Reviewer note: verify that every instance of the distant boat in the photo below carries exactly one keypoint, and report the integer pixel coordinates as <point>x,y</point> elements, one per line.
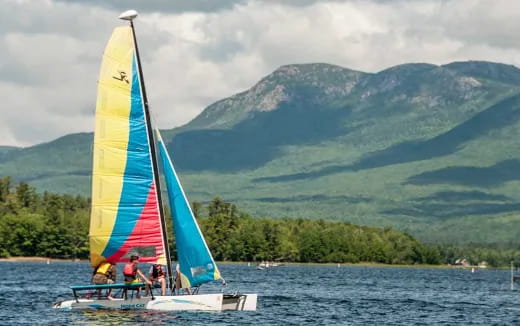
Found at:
<point>127,215</point>
<point>266,264</point>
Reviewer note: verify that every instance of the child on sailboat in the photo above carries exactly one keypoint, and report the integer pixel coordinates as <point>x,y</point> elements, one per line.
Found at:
<point>104,273</point>
<point>158,277</point>
<point>131,271</point>
<point>178,284</point>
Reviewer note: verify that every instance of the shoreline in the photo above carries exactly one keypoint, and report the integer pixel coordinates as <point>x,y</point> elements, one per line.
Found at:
<point>253,264</point>
<point>41,259</point>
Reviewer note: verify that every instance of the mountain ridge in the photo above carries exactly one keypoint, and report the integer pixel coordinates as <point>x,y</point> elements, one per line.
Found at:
<point>317,140</point>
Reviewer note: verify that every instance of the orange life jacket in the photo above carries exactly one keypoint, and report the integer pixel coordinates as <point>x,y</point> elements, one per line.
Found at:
<point>130,270</point>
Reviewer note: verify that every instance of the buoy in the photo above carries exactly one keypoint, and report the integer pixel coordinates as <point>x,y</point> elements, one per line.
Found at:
<point>473,269</point>
<point>48,261</point>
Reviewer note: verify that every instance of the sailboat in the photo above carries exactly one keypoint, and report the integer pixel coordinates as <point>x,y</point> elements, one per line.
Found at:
<point>127,215</point>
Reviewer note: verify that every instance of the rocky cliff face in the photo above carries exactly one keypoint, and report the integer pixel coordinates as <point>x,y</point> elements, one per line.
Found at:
<point>330,83</point>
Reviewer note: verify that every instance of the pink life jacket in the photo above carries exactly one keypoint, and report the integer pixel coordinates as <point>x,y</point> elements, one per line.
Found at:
<point>130,270</point>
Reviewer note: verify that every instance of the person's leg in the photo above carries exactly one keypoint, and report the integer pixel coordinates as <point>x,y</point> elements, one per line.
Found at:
<point>99,279</point>
<point>178,284</point>
<point>109,292</point>
<point>137,280</point>
<point>163,286</point>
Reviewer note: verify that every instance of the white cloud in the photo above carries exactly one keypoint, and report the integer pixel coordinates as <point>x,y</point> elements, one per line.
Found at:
<point>50,51</point>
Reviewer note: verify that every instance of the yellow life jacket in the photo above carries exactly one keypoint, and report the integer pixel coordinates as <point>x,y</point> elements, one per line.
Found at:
<point>103,268</point>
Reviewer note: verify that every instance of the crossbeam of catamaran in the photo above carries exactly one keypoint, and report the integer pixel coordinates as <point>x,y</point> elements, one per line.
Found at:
<point>127,216</point>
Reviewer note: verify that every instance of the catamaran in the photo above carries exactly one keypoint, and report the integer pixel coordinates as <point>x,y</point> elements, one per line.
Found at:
<point>127,215</point>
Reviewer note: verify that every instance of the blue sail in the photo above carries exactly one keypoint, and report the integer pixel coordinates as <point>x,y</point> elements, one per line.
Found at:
<point>196,263</point>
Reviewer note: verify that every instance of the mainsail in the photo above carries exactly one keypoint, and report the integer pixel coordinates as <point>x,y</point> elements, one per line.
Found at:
<point>125,217</point>
<point>126,212</point>
<point>196,263</point>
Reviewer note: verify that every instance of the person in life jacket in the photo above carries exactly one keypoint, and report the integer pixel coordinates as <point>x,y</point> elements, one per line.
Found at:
<point>131,271</point>
<point>104,273</point>
<point>157,275</point>
<point>178,283</point>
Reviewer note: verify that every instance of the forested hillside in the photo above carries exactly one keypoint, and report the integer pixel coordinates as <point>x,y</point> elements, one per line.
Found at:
<point>430,150</point>
<point>52,225</point>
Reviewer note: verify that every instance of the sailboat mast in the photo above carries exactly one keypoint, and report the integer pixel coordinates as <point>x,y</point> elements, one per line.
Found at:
<point>154,161</point>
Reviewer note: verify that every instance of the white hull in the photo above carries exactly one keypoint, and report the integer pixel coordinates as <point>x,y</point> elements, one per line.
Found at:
<point>201,302</point>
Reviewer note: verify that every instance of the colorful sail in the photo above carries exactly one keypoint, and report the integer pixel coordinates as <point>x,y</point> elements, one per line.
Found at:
<point>125,216</point>
<point>196,263</point>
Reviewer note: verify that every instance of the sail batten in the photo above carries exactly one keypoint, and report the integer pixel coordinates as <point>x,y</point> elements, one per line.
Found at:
<point>196,262</point>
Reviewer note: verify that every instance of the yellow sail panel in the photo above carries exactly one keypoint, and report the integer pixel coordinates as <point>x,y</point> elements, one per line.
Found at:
<point>110,138</point>
<point>125,216</point>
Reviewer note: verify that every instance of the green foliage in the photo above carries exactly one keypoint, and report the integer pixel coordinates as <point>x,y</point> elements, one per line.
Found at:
<point>54,225</point>
<point>48,225</point>
<point>26,195</point>
<point>5,184</point>
<point>239,237</point>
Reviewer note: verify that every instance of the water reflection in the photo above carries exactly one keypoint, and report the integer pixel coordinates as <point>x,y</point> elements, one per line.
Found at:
<point>118,317</point>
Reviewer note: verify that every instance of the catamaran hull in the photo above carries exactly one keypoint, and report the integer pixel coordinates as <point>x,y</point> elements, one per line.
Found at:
<point>239,302</point>
<point>200,302</point>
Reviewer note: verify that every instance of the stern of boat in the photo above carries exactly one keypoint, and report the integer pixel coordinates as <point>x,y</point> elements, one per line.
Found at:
<point>245,302</point>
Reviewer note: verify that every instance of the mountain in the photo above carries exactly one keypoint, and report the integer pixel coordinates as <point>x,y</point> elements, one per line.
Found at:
<point>6,149</point>
<point>63,165</point>
<point>432,150</point>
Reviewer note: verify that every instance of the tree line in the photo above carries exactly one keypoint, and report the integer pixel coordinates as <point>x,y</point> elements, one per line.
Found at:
<point>48,225</point>
<point>56,225</point>
<point>236,236</point>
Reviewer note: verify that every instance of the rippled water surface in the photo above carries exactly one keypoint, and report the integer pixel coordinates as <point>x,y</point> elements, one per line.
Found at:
<point>288,295</point>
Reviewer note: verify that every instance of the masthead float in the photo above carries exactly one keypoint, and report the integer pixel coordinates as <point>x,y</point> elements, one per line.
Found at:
<point>128,15</point>
<point>127,215</point>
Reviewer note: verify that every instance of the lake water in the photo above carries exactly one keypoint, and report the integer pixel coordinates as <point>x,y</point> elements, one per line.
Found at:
<point>288,295</point>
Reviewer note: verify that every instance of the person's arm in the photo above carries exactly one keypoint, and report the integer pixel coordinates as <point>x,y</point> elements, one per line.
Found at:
<point>144,277</point>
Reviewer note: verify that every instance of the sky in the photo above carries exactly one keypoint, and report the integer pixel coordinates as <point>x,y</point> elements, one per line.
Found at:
<point>196,52</point>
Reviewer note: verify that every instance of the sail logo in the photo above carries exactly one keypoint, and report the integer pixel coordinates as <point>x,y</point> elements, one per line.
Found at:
<point>200,270</point>
<point>122,76</point>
